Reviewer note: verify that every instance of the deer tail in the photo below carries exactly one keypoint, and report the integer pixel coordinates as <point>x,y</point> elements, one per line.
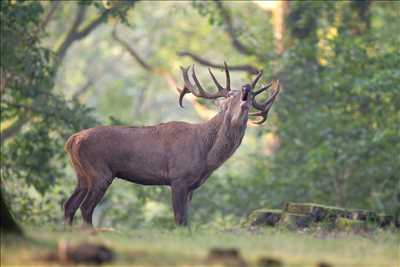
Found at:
<point>72,147</point>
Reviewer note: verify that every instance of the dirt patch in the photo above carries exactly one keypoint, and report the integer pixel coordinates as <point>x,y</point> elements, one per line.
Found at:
<point>226,257</point>
<point>84,253</point>
<point>323,264</point>
<point>269,262</point>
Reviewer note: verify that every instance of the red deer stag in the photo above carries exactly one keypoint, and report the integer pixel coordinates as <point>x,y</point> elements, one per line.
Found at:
<point>177,154</point>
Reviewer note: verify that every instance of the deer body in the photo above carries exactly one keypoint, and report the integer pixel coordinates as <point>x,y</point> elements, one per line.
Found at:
<point>176,154</point>
<point>160,154</point>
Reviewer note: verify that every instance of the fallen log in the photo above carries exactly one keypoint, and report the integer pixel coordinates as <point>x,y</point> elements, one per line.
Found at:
<point>264,217</point>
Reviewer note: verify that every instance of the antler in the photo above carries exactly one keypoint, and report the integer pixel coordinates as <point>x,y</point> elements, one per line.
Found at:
<point>265,106</point>
<point>198,90</point>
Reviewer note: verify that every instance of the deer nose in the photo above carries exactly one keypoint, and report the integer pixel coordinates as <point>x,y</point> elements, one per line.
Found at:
<point>246,88</point>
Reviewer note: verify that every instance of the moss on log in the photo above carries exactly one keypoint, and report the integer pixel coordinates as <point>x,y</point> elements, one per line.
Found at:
<point>299,208</point>
<point>317,212</point>
<point>364,215</point>
<point>295,220</point>
<point>350,224</point>
<point>264,217</point>
<point>300,215</point>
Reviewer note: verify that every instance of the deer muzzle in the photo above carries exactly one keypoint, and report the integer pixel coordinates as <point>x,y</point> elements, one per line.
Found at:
<point>246,89</point>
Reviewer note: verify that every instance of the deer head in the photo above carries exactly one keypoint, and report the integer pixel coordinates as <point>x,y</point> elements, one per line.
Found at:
<point>233,101</point>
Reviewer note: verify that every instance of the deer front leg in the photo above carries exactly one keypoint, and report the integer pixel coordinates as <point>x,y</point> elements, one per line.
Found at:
<point>180,195</point>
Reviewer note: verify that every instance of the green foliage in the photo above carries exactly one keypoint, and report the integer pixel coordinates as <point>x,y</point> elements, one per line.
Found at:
<point>35,208</point>
<point>207,9</point>
<point>117,9</point>
<point>338,114</point>
<point>34,154</point>
<point>336,118</point>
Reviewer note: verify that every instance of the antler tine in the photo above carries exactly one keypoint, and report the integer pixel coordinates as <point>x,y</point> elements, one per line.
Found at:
<point>197,89</point>
<point>185,74</point>
<point>266,106</point>
<point>186,88</point>
<point>202,92</point>
<point>262,89</point>
<point>182,93</point>
<point>253,84</point>
<point>263,106</point>
<point>220,87</point>
<point>264,116</point>
<point>228,78</point>
<point>264,113</point>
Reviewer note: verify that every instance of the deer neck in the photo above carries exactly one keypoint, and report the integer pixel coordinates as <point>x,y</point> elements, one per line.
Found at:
<point>223,139</point>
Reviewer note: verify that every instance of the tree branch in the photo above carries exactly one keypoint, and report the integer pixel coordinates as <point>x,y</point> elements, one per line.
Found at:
<point>246,68</point>
<point>71,35</point>
<point>75,34</point>
<point>14,128</point>
<point>92,25</point>
<point>226,16</point>
<point>82,89</point>
<point>201,110</point>
<point>49,16</point>
<point>131,51</point>
<point>61,51</point>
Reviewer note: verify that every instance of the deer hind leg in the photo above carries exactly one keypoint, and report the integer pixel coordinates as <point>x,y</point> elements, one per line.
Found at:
<point>95,194</point>
<point>75,200</point>
<point>180,201</point>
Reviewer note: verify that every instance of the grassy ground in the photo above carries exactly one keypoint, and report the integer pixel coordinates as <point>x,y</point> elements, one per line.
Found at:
<point>180,247</point>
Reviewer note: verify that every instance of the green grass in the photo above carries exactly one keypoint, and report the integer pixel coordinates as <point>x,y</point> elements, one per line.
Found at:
<point>181,247</point>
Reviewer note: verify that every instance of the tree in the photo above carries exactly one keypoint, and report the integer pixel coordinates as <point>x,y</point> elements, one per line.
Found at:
<point>335,137</point>
<point>35,119</point>
<point>8,223</point>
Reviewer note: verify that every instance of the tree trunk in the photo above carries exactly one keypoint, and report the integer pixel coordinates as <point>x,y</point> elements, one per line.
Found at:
<point>279,15</point>
<point>8,224</point>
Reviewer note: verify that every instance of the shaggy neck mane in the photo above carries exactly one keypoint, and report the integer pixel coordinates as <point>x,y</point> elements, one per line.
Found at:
<point>222,138</point>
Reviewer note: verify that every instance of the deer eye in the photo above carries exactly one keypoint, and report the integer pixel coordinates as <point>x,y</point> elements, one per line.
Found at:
<point>231,94</point>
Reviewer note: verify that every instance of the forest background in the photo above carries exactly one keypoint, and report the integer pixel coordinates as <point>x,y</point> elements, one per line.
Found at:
<point>333,136</point>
